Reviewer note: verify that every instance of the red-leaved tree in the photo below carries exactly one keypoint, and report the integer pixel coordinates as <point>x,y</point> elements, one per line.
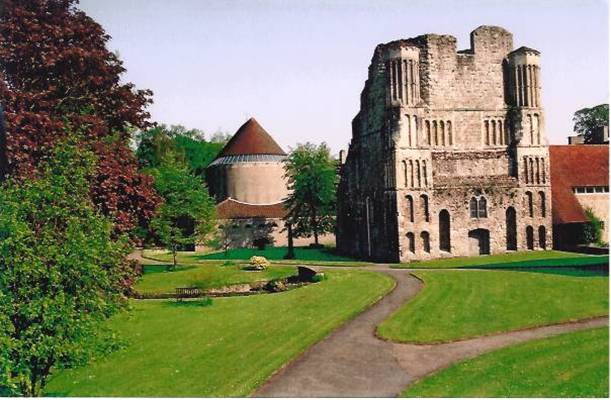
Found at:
<point>56,72</point>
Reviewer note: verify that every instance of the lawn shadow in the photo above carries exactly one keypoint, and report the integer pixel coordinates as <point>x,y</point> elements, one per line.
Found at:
<point>565,271</point>
<point>163,268</point>
<point>189,303</point>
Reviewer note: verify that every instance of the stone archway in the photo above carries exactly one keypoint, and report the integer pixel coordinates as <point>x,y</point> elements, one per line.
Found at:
<point>479,241</point>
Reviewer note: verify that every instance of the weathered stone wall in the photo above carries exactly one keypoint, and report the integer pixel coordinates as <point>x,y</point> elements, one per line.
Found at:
<point>246,232</point>
<point>436,129</point>
<point>249,182</point>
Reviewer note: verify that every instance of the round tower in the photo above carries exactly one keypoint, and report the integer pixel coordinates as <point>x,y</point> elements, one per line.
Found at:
<point>250,168</point>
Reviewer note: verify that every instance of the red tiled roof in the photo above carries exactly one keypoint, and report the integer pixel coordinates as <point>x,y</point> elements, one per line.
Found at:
<point>233,209</point>
<point>251,138</point>
<point>575,165</point>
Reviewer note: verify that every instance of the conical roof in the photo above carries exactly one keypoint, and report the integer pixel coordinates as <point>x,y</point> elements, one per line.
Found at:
<point>251,138</point>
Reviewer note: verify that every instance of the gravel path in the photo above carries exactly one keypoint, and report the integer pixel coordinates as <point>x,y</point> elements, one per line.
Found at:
<point>353,362</point>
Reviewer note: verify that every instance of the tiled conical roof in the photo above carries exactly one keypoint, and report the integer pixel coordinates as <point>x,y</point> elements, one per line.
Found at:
<point>251,138</point>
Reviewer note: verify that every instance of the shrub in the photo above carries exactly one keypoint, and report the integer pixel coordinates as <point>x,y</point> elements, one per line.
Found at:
<point>259,263</point>
<point>319,277</point>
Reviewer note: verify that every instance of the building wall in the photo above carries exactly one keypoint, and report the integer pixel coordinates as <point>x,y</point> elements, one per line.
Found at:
<point>249,182</point>
<point>443,127</point>
<point>599,204</point>
<point>244,232</point>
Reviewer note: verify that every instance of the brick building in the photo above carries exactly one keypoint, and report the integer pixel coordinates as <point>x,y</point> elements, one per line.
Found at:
<point>448,155</point>
<point>580,182</point>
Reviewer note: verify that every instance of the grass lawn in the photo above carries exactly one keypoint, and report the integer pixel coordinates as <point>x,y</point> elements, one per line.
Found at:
<point>226,349</point>
<point>323,256</point>
<point>549,258</point>
<point>462,304</point>
<point>157,279</point>
<point>570,365</point>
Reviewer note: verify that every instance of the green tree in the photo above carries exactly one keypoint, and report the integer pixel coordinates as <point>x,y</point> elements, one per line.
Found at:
<point>188,212</point>
<point>312,177</point>
<point>587,119</point>
<point>593,229</point>
<point>189,145</point>
<point>61,273</point>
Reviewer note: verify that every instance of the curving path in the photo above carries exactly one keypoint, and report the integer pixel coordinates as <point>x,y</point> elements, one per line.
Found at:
<point>353,362</point>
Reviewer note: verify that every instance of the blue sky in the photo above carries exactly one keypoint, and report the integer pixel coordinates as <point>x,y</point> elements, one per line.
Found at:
<point>298,67</point>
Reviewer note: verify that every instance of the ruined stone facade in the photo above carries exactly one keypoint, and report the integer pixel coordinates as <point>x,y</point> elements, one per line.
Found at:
<point>448,155</point>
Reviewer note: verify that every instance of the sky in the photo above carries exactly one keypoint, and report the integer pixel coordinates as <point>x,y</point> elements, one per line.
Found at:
<point>299,66</point>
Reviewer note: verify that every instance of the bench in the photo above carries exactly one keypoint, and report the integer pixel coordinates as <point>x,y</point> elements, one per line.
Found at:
<point>187,292</point>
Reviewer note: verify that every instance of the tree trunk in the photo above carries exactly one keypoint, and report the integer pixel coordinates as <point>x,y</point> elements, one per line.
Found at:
<point>174,256</point>
<point>3,155</point>
<point>290,255</point>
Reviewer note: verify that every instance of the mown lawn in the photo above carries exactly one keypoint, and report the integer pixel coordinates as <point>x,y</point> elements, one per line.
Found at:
<point>226,349</point>
<point>462,304</point>
<point>157,278</point>
<point>569,365</point>
<point>549,258</point>
<point>322,256</point>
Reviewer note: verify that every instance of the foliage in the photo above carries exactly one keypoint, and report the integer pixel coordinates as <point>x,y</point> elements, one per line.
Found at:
<point>61,272</point>
<point>319,277</point>
<point>587,119</point>
<point>312,181</point>
<point>254,336</point>
<point>456,305</point>
<point>187,215</point>
<point>593,229</point>
<point>569,365</point>
<point>71,78</point>
<point>188,145</point>
<point>258,263</point>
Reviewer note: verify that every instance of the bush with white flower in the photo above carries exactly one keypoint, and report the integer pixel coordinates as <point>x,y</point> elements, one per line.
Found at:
<point>259,263</point>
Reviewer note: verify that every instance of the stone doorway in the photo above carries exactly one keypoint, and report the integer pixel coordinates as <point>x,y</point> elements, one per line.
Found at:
<point>479,242</point>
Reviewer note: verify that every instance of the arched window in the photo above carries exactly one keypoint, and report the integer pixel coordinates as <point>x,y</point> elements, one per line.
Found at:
<point>426,242</point>
<point>538,173</point>
<point>414,131</point>
<point>418,174</point>
<point>511,229</point>
<point>530,240</point>
<point>424,204</point>
<point>444,231</point>
<point>409,130</point>
<point>449,128</point>
<point>442,130</point>
<point>487,133</point>
<point>478,208</point>
<point>542,203</point>
<point>411,173</point>
<point>436,133</point>
<point>493,133</point>
<point>473,207</point>
<point>411,245</point>
<point>532,170</point>
<point>427,127</point>
<point>483,208</point>
<point>500,129</point>
<point>542,239</point>
<point>426,180</point>
<point>410,208</point>
<point>529,204</point>
<point>406,182</point>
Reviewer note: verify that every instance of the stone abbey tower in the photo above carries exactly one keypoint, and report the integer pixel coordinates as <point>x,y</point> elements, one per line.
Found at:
<point>448,155</point>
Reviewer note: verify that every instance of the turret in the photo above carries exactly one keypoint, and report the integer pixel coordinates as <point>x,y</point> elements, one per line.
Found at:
<point>402,66</point>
